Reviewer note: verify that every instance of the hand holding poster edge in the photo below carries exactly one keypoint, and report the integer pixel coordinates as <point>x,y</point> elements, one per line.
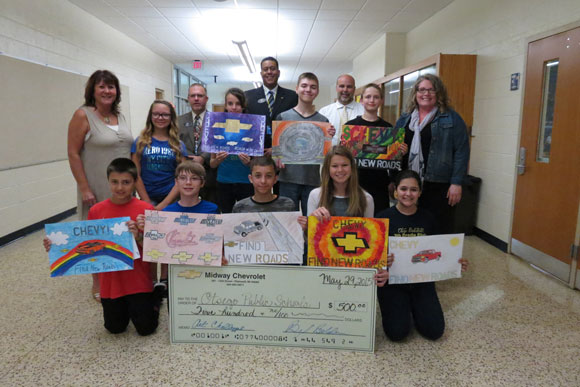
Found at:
<point>348,242</point>
<point>426,258</point>
<point>90,246</point>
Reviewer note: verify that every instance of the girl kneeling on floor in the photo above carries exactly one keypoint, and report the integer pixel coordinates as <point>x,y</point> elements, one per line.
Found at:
<point>400,302</point>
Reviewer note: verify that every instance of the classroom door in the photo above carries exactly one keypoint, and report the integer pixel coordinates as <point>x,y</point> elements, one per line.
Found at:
<point>546,212</point>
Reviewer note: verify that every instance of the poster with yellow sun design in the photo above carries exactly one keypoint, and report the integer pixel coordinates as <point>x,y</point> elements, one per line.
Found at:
<point>425,258</point>
<point>348,242</point>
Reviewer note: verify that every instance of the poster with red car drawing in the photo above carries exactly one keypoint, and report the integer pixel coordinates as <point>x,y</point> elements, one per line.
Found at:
<point>425,258</point>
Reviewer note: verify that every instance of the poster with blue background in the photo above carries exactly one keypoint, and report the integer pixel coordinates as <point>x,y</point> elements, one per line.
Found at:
<point>234,133</point>
<point>90,246</point>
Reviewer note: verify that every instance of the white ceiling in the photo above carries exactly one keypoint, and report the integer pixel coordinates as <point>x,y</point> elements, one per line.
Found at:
<point>322,36</point>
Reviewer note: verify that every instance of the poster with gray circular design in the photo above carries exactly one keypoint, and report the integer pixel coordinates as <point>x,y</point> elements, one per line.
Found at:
<point>301,142</point>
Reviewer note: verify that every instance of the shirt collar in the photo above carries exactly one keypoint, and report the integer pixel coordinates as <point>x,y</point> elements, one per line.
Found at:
<point>266,90</point>
<point>201,116</point>
<point>348,106</point>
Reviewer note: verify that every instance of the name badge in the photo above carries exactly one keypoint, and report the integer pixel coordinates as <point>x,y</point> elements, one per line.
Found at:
<point>262,100</point>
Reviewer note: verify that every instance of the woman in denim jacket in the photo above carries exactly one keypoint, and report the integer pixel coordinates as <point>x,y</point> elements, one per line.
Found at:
<point>438,147</point>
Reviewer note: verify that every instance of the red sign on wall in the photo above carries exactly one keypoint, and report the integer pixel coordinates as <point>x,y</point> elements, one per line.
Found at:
<point>197,64</point>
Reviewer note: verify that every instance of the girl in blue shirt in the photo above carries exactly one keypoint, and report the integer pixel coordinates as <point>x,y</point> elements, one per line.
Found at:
<point>157,152</point>
<point>233,170</point>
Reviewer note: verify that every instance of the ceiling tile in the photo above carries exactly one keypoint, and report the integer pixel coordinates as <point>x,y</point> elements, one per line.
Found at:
<point>139,11</point>
<point>172,3</point>
<point>180,12</point>
<point>343,4</point>
<point>96,8</point>
<point>299,4</point>
<point>297,14</point>
<point>331,14</point>
<point>128,3</point>
<point>148,22</point>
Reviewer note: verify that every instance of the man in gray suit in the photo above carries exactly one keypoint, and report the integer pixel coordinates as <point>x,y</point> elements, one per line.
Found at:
<point>190,132</point>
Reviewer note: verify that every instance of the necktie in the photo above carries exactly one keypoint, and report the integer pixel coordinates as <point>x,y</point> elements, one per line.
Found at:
<point>196,135</point>
<point>270,101</point>
<point>343,117</point>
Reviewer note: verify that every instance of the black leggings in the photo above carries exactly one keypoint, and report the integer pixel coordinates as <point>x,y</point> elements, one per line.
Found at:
<point>399,302</point>
<point>141,308</point>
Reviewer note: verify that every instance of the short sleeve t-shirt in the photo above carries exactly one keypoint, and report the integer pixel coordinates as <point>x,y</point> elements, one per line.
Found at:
<point>279,204</point>
<point>122,283</point>
<point>300,174</point>
<point>420,223</point>
<point>158,164</point>
<point>232,171</point>
<point>203,207</point>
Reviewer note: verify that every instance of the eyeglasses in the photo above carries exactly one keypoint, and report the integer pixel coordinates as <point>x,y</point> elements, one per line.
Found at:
<point>425,91</point>
<point>188,178</point>
<point>161,115</point>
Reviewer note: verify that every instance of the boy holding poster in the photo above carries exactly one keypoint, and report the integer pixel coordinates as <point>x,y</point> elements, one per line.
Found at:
<point>263,175</point>
<point>125,295</point>
<point>189,179</point>
<point>296,181</point>
<point>401,301</point>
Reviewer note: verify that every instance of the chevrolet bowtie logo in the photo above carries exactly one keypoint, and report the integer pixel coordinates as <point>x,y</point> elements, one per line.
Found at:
<point>350,242</point>
<point>232,126</point>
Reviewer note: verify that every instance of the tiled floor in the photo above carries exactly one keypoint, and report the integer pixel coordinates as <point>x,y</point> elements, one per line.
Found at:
<point>507,325</point>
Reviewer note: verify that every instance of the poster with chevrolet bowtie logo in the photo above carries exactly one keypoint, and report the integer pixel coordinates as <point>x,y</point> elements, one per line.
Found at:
<point>348,242</point>
<point>182,238</point>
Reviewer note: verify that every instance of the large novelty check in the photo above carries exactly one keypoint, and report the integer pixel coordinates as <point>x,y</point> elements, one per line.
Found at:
<point>317,307</point>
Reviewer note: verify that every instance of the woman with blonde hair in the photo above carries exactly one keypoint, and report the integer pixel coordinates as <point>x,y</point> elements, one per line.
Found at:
<point>157,152</point>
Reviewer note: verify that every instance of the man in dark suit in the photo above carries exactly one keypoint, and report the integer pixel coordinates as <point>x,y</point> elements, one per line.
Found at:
<point>190,131</point>
<point>270,99</point>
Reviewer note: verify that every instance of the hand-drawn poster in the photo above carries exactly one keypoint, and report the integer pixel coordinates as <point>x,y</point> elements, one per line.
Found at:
<point>425,258</point>
<point>182,238</point>
<point>265,237</point>
<point>234,133</point>
<point>90,246</point>
<point>374,147</point>
<point>300,142</point>
<point>348,242</point>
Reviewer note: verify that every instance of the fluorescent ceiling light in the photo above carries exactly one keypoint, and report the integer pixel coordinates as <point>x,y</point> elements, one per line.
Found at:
<point>552,63</point>
<point>245,55</point>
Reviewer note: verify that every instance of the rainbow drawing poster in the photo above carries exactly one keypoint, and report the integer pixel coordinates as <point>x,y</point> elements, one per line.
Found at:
<point>90,246</point>
<point>183,238</point>
<point>348,242</point>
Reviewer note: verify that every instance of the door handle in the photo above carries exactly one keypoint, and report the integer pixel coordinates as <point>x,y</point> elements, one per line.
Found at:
<point>521,167</point>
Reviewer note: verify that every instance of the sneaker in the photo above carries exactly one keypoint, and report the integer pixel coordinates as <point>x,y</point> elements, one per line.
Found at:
<point>161,288</point>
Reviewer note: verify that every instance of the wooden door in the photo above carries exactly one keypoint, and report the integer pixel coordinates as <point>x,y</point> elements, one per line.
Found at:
<point>548,182</point>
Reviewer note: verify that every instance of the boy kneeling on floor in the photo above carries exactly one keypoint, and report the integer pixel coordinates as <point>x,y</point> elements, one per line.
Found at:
<point>125,295</point>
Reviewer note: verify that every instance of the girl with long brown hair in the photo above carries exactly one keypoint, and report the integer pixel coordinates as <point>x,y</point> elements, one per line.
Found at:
<point>339,193</point>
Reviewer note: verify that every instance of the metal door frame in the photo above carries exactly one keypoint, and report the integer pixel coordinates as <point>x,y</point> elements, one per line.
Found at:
<point>574,279</point>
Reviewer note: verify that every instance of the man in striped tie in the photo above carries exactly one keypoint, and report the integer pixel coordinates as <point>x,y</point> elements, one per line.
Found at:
<point>270,99</point>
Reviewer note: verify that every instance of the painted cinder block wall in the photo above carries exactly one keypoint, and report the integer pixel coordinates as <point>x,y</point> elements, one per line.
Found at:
<point>58,33</point>
<point>496,31</point>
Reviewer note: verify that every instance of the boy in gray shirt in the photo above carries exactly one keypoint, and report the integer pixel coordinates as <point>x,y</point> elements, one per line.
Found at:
<point>263,176</point>
<point>296,181</point>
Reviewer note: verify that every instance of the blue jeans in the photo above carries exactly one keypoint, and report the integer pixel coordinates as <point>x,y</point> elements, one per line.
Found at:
<point>298,193</point>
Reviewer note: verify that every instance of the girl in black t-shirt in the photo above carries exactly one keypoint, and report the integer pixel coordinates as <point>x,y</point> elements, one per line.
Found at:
<point>419,300</point>
<point>374,181</point>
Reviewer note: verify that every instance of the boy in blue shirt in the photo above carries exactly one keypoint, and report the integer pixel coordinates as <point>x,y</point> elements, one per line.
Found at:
<point>189,178</point>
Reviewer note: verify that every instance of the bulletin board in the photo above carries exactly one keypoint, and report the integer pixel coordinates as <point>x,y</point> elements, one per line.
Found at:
<point>36,105</point>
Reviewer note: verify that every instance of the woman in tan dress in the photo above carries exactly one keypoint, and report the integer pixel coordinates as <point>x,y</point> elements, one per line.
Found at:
<point>97,134</point>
